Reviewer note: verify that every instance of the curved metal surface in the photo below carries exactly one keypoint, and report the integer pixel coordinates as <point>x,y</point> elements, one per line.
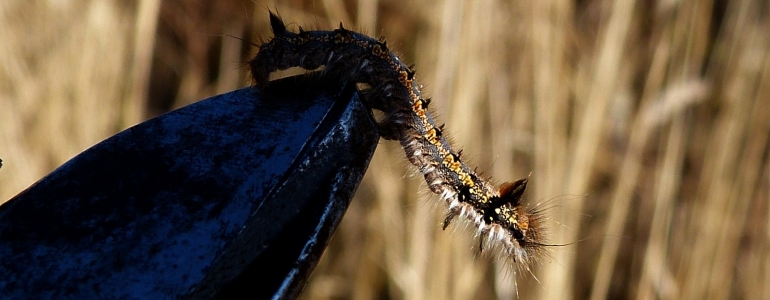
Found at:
<point>236,193</point>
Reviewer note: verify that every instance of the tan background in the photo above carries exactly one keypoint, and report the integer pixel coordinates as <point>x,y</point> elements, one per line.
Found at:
<point>645,126</point>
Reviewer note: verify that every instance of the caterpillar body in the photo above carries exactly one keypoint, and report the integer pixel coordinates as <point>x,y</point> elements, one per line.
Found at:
<point>497,213</point>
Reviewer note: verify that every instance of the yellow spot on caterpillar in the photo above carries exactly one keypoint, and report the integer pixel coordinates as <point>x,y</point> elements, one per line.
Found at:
<point>362,44</point>
<point>419,111</point>
<point>453,165</point>
<point>431,136</point>
<point>340,38</point>
<point>377,50</point>
<point>403,77</point>
<point>467,181</point>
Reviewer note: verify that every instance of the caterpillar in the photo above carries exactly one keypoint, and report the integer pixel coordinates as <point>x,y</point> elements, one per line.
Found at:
<point>497,213</point>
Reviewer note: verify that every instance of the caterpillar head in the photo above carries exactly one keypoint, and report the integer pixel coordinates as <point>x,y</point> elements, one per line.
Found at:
<point>522,224</point>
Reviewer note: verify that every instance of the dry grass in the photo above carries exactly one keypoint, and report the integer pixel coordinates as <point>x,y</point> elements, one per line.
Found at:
<point>645,123</point>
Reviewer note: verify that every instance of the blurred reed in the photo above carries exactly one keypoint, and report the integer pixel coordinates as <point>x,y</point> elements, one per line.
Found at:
<point>645,125</point>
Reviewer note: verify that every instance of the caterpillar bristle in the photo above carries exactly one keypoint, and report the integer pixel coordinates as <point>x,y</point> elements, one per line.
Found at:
<point>277,24</point>
<point>410,74</point>
<point>511,192</point>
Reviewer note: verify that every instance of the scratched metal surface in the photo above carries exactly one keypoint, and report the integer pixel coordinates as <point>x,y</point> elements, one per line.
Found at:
<point>236,193</point>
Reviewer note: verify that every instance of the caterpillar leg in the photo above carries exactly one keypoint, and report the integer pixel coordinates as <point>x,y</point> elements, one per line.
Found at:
<point>481,244</point>
<point>388,132</point>
<point>451,215</point>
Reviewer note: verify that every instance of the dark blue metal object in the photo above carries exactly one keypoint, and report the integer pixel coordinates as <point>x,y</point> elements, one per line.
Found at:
<point>231,196</point>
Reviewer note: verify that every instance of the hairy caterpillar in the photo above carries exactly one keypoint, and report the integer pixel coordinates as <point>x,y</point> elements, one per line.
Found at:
<point>497,213</point>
